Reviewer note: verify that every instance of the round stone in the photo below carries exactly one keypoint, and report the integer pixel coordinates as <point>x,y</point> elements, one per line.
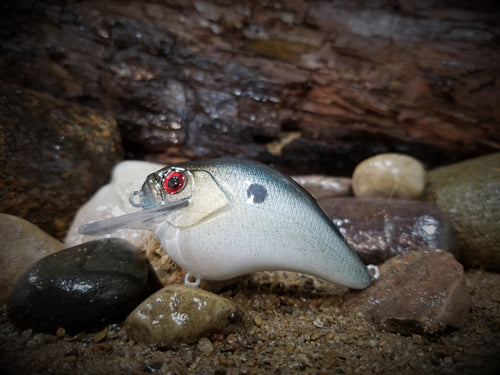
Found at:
<point>389,176</point>
<point>23,244</point>
<point>469,193</point>
<point>83,287</point>
<point>179,313</point>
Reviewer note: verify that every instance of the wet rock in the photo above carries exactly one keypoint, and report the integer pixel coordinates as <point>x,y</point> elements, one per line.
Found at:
<point>205,345</point>
<point>22,245</point>
<point>389,176</point>
<point>82,287</point>
<point>379,229</point>
<point>320,186</point>
<point>113,200</point>
<point>421,292</point>
<point>469,193</point>
<point>179,313</point>
<point>54,155</point>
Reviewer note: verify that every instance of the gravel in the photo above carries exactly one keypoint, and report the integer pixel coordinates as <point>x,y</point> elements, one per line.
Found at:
<point>287,327</point>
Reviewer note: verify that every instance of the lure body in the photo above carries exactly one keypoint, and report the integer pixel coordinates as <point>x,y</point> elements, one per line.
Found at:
<point>242,217</point>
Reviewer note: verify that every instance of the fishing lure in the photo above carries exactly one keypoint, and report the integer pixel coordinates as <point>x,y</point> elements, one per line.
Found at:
<point>226,217</point>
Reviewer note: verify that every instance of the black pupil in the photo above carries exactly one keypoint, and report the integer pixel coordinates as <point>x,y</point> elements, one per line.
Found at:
<point>174,182</point>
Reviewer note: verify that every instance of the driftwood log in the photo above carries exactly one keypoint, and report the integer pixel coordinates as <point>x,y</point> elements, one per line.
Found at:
<point>312,86</point>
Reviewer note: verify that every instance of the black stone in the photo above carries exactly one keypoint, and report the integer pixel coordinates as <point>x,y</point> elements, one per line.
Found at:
<point>82,288</point>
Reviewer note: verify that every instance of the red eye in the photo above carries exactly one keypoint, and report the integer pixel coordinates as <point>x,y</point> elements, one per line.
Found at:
<point>174,182</point>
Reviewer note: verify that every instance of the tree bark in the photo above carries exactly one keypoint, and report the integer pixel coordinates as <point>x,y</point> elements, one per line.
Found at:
<point>307,86</point>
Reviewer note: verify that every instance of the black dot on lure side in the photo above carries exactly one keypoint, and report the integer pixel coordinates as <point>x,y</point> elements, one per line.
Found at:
<point>257,192</point>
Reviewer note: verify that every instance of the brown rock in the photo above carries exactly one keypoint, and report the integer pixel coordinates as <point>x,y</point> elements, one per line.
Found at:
<point>23,244</point>
<point>421,292</point>
<point>378,229</point>
<point>53,156</point>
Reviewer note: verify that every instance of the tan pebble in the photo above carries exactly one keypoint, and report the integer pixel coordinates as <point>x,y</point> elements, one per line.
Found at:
<point>318,323</point>
<point>417,338</point>
<point>79,336</point>
<point>304,359</point>
<point>61,332</point>
<point>101,335</point>
<point>205,345</point>
<point>480,329</point>
<point>222,361</point>
<point>275,284</point>
<point>104,347</point>
<point>258,321</point>
<point>26,334</point>
<point>127,364</point>
<point>178,313</point>
<point>331,359</point>
<point>289,347</point>
<point>389,175</point>
<point>231,338</point>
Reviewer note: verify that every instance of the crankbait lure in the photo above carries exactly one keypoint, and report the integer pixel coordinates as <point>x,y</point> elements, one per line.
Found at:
<point>226,217</point>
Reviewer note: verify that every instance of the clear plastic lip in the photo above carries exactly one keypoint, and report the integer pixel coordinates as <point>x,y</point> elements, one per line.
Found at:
<point>130,221</point>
